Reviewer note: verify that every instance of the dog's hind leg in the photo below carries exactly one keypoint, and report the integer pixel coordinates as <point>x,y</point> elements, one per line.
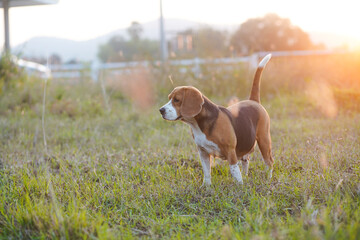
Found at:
<point>263,139</point>
<point>265,149</point>
<point>245,163</point>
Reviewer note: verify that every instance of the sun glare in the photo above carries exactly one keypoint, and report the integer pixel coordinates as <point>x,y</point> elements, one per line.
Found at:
<point>82,20</point>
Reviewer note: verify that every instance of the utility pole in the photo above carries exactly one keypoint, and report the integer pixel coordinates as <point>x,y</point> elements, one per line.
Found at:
<point>163,45</point>
<point>6,4</point>
<point>6,22</point>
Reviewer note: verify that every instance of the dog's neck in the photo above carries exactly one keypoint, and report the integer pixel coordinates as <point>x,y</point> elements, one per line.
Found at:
<point>208,110</point>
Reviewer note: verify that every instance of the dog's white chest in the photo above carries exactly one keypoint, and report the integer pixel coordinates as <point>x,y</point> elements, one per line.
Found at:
<point>202,142</point>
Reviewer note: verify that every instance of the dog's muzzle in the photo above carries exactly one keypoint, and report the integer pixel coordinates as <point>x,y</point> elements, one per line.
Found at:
<point>162,112</point>
<point>168,112</point>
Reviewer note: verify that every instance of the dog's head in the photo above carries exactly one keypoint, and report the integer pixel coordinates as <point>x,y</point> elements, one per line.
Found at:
<point>185,102</point>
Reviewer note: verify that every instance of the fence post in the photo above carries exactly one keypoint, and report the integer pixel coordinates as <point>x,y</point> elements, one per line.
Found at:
<point>106,100</point>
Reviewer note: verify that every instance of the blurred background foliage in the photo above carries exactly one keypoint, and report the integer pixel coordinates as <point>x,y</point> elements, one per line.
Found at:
<point>268,33</point>
<point>10,75</point>
<point>321,80</point>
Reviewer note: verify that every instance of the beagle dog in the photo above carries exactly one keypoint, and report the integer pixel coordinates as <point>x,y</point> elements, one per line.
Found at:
<point>228,133</point>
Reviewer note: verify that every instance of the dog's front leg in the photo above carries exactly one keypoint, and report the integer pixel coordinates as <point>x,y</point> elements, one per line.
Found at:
<point>234,168</point>
<point>205,162</point>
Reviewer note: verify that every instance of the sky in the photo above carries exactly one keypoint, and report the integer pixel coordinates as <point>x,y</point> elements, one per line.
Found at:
<point>85,19</point>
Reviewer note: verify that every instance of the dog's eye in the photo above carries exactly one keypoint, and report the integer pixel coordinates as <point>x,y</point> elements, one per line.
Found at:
<point>176,100</point>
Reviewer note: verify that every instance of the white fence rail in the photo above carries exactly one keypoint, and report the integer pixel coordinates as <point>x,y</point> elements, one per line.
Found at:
<point>75,71</point>
<point>33,68</point>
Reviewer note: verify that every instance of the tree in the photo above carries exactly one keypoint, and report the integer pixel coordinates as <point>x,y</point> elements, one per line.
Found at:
<point>210,43</point>
<point>269,33</point>
<point>135,31</point>
<point>113,50</point>
<point>117,49</point>
<point>204,43</point>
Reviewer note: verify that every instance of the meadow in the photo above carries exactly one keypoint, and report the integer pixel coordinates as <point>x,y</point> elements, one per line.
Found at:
<point>112,168</point>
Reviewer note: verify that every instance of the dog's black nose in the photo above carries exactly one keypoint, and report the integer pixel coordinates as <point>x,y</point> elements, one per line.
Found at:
<point>162,111</point>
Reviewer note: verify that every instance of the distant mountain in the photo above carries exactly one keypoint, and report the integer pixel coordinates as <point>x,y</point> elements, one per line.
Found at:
<point>87,50</point>
<point>66,49</point>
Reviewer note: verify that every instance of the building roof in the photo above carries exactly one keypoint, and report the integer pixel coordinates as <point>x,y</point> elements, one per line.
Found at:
<point>21,3</point>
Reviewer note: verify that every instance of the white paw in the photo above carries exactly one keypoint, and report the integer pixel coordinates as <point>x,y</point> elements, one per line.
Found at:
<point>235,172</point>
<point>270,173</point>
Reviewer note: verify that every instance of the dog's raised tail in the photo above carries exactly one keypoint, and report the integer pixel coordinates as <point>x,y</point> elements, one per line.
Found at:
<point>255,90</point>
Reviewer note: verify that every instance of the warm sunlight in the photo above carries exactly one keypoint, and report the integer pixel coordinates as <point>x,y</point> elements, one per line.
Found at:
<point>82,19</point>
<point>214,120</point>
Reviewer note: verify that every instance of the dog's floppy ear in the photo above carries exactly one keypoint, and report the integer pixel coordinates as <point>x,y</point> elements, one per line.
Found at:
<point>172,93</point>
<point>192,102</point>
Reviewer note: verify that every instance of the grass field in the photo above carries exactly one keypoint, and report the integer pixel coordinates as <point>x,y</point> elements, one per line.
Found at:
<point>129,174</point>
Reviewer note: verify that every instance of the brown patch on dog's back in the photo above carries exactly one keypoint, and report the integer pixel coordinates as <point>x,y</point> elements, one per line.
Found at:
<point>217,127</point>
<point>245,119</point>
<point>233,100</point>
